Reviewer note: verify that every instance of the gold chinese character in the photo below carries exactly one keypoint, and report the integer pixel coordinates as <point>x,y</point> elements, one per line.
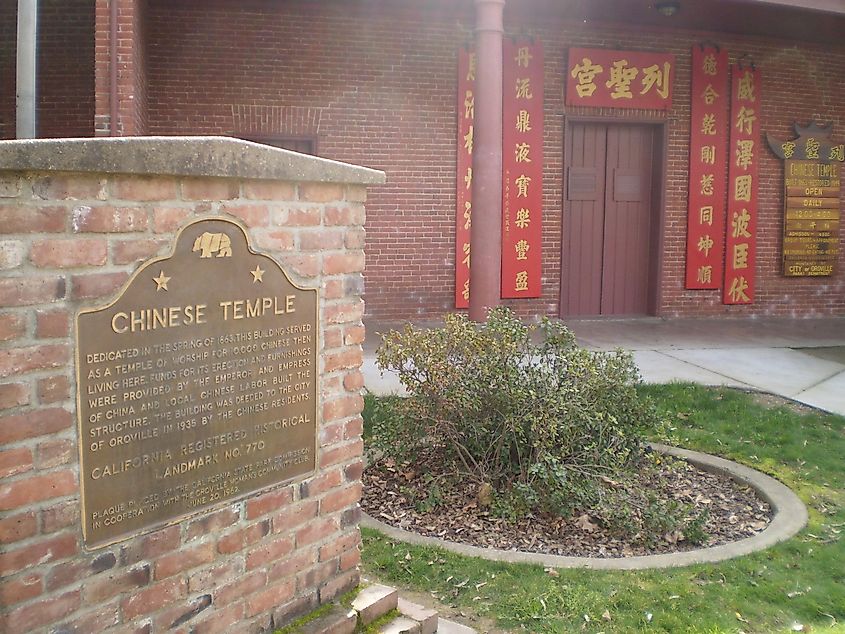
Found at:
<point>706,184</point>
<point>739,224</point>
<point>708,154</point>
<point>522,186</point>
<point>740,255</point>
<point>467,215</point>
<point>745,120</point>
<point>837,153</point>
<point>709,95</point>
<point>788,149</point>
<point>523,121</point>
<point>471,68</point>
<point>746,87</point>
<point>466,249</point>
<point>705,243</point>
<point>521,153</point>
<point>620,79</point>
<point>468,140</point>
<point>811,148</point>
<point>521,281</point>
<point>704,275</point>
<point>708,64</point>
<point>742,188</point>
<point>521,249</point>
<point>469,105</point>
<point>737,290</point>
<point>523,56</point>
<point>705,215</point>
<point>468,178</point>
<point>523,88</point>
<point>586,73</point>
<point>744,153</point>
<point>465,292</point>
<point>523,218</point>
<point>708,124</point>
<point>655,76</point>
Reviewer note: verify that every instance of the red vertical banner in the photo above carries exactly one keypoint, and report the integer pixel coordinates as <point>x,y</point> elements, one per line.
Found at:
<point>522,168</point>
<point>743,163</point>
<point>463,181</point>
<point>707,167</point>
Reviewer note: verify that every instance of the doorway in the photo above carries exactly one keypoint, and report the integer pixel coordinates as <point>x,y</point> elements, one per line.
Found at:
<point>609,259</point>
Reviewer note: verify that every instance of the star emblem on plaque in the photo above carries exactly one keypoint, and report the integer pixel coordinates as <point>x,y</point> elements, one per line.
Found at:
<point>194,394</point>
<point>161,281</point>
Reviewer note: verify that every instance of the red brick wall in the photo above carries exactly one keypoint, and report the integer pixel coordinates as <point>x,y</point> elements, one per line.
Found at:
<point>379,95</point>
<point>65,68</point>
<point>376,83</point>
<point>71,240</point>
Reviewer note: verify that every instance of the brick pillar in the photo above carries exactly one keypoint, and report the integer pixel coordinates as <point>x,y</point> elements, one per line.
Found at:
<point>130,89</point>
<point>485,272</point>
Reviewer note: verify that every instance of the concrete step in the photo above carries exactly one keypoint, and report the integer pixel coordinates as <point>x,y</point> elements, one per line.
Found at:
<point>450,627</point>
<point>401,625</point>
<point>374,601</point>
<point>338,620</point>
<point>425,617</point>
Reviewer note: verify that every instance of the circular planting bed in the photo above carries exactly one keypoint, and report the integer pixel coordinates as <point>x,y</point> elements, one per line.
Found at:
<point>741,510</point>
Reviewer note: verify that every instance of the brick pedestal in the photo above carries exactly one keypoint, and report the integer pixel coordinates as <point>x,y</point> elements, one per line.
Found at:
<point>76,219</point>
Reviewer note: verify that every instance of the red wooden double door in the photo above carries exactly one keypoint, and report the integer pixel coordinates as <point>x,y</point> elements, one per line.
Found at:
<point>610,222</point>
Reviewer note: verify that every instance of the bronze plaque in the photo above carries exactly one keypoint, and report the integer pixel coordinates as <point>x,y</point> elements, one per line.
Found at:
<point>812,185</point>
<point>197,385</point>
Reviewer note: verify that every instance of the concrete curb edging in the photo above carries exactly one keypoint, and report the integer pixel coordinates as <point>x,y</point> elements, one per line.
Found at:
<point>790,516</point>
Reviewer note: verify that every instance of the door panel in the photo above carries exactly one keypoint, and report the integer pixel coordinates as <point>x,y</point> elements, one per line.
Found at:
<point>625,277</point>
<point>607,256</point>
<point>582,241</point>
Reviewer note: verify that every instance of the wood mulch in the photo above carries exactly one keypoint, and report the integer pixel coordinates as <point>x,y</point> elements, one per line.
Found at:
<point>392,494</point>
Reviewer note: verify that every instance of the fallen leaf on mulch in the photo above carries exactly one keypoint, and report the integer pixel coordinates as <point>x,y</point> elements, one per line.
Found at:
<point>585,524</point>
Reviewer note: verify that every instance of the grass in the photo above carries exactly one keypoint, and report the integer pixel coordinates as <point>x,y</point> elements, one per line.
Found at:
<point>798,583</point>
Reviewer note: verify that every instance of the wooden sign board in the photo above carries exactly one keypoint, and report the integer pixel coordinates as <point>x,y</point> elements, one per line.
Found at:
<point>708,161</point>
<point>812,185</point>
<point>197,385</point>
<point>604,78</point>
<point>463,181</point>
<point>522,169</point>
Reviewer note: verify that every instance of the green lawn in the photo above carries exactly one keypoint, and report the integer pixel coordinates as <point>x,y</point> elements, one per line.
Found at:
<point>800,582</point>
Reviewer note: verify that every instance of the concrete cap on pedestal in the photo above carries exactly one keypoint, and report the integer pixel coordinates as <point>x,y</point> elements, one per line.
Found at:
<point>202,156</point>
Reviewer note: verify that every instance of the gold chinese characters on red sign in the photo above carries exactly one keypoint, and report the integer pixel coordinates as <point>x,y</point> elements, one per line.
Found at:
<point>603,78</point>
<point>463,182</point>
<point>743,163</point>
<point>707,167</point>
<point>522,169</point>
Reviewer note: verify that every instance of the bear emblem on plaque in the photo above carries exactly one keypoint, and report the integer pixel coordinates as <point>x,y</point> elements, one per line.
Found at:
<point>210,243</point>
